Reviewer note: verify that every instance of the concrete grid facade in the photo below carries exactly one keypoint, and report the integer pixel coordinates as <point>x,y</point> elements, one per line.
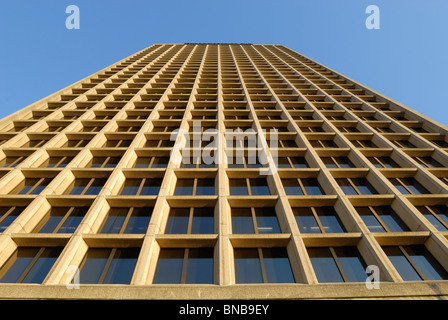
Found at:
<point>88,182</point>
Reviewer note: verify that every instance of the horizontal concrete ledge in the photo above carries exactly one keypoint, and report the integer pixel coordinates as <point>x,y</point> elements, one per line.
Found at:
<point>405,290</point>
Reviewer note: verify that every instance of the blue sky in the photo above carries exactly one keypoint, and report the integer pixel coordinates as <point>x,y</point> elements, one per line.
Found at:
<point>406,59</point>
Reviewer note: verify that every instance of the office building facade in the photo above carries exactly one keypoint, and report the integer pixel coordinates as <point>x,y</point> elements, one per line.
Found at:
<point>222,171</point>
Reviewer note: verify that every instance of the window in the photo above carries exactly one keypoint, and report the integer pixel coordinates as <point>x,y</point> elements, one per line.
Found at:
<point>311,129</point>
<point>29,265</point>
<point>437,215</point>
<point>338,162</point>
<point>104,162</point>
<point>12,161</point>
<point>440,143</point>
<point>152,162</point>
<point>384,129</point>
<point>248,139</point>
<point>132,220</point>
<point>355,186</point>
<point>159,143</point>
<point>363,143</point>
<point>8,215</point>
<point>323,144</point>
<point>58,162</point>
<point>428,162</point>
<point>142,187</point>
<point>415,263</point>
<point>195,187</point>
<point>408,186</point>
<point>381,219</point>
<point>403,144</point>
<point>92,127</point>
<point>383,162</point>
<point>34,143</point>
<point>118,143</point>
<point>184,266</point>
<point>87,186</point>
<point>108,266</point>
<point>251,187</point>
<point>250,161</point>
<point>318,220</point>
<point>262,265</point>
<point>292,162</point>
<point>254,220</point>
<point>193,161</point>
<point>62,220</point>
<point>338,264</point>
<point>31,186</point>
<point>76,143</point>
<point>348,129</point>
<point>302,186</point>
<point>129,128</point>
<point>190,221</point>
<point>281,143</point>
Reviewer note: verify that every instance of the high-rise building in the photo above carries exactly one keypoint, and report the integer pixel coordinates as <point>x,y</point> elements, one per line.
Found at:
<point>222,171</point>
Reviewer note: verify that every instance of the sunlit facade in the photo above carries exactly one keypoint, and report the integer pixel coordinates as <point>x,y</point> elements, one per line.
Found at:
<point>134,183</point>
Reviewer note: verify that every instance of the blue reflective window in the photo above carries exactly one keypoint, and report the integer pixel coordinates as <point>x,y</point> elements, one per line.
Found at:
<point>262,265</point>
<point>415,262</point>
<point>108,266</point>
<point>339,264</point>
<point>30,265</point>
<point>8,215</point>
<point>381,219</point>
<point>265,220</point>
<point>63,219</point>
<point>318,220</point>
<point>184,266</point>
<point>127,220</point>
<point>238,187</point>
<point>437,215</point>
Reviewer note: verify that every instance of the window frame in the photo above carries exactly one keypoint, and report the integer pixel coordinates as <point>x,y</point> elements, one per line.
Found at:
<point>105,271</point>
<point>262,264</point>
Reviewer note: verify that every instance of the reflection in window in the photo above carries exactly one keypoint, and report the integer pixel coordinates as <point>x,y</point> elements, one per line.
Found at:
<point>338,264</point>
<point>8,215</point>
<point>58,162</point>
<point>132,220</point>
<point>86,186</point>
<point>11,161</point>
<point>429,162</point>
<point>31,186</point>
<point>62,220</point>
<point>29,265</point>
<point>104,162</point>
<point>108,266</point>
<point>408,186</point>
<point>302,186</point>
<point>262,265</point>
<point>254,220</point>
<point>415,263</point>
<point>251,187</point>
<point>152,162</point>
<point>184,266</point>
<point>318,220</point>
<point>381,219</point>
<point>142,187</point>
<point>338,162</point>
<point>195,187</point>
<point>383,162</point>
<point>355,186</point>
<point>190,221</point>
<point>437,215</point>
<point>292,162</point>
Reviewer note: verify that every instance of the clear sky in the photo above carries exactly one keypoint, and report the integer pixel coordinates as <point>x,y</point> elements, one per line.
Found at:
<point>406,59</point>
